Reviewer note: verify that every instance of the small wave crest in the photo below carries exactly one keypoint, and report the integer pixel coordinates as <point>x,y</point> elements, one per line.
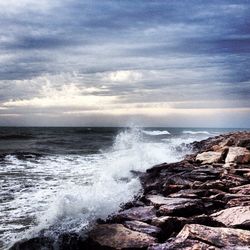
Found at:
<point>191,132</point>
<point>156,132</point>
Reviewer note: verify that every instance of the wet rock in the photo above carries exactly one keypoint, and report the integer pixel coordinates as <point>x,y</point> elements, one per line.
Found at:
<point>234,217</point>
<point>238,155</point>
<point>144,214</point>
<point>38,243</point>
<point>142,227</point>
<point>215,236</point>
<point>209,157</point>
<point>116,236</point>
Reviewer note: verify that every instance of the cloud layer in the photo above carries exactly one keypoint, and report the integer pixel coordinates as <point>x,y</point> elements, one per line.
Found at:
<point>162,63</point>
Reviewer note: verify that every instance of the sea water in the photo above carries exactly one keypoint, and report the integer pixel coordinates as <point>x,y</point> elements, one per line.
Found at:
<point>58,180</point>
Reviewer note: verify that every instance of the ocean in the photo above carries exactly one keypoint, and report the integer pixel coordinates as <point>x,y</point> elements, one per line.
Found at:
<point>56,180</point>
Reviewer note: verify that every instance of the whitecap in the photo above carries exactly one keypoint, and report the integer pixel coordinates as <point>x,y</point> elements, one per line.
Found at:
<point>156,132</point>
<point>195,132</point>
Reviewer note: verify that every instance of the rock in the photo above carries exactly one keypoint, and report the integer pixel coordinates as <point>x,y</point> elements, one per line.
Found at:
<point>234,217</point>
<point>188,193</point>
<point>169,225</point>
<point>185,245</point>
<point>142,227</point>
<point>244,189</point>
<point>145,214</point>
<point>38,243</point>
<point>215,236</point>
<point>116,236</point>
<point>238,155</point>
<point>240,201</point>
<point>244,143</point>
<point>209,157</point>
<point>178,206</point>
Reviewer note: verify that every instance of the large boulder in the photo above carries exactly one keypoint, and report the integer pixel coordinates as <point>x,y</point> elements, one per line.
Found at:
<point>216,236</point>
<point>177,206</point>
<point>145,214</point>
<point>238,155</point>
<point>209,157</point>
<point>116,236</point>
<point>234,216</point>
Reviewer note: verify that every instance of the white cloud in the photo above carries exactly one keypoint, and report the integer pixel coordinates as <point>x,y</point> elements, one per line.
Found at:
<point>68,95</point>
<point>126,76</point>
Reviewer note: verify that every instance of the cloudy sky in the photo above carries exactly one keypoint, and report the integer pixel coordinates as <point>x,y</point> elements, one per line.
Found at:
<point>115,62</point>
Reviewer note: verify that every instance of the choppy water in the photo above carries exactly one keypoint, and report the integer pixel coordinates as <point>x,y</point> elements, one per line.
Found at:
<point>62,179</point>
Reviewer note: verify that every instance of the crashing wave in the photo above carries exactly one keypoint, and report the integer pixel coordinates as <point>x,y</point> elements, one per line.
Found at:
<point>156,132</point>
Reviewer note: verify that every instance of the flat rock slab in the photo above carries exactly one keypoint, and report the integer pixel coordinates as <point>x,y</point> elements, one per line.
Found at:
<point>234,216</point>
<point>238,155</point>
<point>244,189</point>
<point>142,227</point>
<point>215,236</point>
<point>175,205</point>
<point>116,236</point>
<point>185,245</point>
<point>145,213</point>
<point>209,157</point>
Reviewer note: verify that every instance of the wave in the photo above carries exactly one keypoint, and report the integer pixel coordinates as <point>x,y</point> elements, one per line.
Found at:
<point>195,132</point>
<point>156,132</point>
<point>15,137</point>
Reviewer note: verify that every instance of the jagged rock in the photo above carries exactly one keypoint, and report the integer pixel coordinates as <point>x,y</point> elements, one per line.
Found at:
<point>178,206</point>
<point>185,245</point>
<point>238,155</point>
<point>116,236</point>
<point>244,143</point>
<point>234,217</point>
<point>215,236</point>
<point>244,189</point>
<point>209,157</point>
<point>188,193</point>
<point>145,214</point>
<point>38,243</point>
<point>142,227</point>
<point>240,201</point>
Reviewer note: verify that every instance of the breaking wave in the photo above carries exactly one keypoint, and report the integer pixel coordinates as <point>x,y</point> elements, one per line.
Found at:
<point>66,193</point>
<point>156,132</point>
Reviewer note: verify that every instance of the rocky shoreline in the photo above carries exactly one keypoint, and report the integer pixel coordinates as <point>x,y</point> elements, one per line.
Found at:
<point>202,202</point>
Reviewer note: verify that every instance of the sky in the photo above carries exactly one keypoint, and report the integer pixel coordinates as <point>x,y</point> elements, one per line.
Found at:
<point>116,62</point>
